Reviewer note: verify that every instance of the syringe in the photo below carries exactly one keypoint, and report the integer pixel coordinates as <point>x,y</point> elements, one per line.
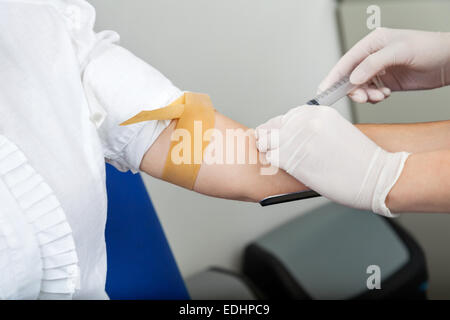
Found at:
<point>333,94</point>
<point>326,98</point>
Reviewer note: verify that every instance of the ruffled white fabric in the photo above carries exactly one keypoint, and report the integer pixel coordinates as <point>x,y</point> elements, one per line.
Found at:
<point>43,212</point>
<point>20,259</point>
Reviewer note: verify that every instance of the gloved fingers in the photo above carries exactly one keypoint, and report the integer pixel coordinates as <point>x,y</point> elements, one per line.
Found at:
<point>359,95</point>
<point>377,92</point>
<point>373,65</point>
<point>366,46</point>
<point>386,91</point>
<point>370,94</point>
<point>273,157</point>
<point>267,134</point>
<point>267,140</point>
<point>375,95</point>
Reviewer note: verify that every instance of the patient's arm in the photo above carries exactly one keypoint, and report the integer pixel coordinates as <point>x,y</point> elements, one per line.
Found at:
<point>232,181</point>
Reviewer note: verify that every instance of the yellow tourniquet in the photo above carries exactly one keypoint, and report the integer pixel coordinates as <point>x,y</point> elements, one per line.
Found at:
<point>194,111</point>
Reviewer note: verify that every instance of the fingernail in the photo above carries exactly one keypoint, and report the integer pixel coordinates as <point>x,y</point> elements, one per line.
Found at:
<point>357,96</point>
<point>386,91</point>
<point>261,144</point>
<point>379,95</point>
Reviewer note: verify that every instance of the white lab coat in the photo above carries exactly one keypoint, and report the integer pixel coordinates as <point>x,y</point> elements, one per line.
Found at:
<point>64,91</point>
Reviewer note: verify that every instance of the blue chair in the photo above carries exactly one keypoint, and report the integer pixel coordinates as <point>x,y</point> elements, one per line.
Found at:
<point>140,262</point>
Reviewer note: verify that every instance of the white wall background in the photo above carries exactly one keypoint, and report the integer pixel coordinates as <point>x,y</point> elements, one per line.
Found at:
<point>257,59</point>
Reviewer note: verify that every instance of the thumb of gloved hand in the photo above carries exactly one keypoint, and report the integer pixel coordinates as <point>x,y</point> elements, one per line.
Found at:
<point>331,156</point>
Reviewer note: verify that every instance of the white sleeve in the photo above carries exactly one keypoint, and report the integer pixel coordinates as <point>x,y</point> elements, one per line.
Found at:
<point>118,85</point>
<point>124,85</point>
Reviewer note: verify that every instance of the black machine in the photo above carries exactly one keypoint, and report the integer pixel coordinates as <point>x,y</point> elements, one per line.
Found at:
<point>331,252</point>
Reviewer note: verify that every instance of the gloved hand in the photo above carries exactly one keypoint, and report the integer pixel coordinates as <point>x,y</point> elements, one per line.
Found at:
<point>328,154</point>
<point>402,59</point>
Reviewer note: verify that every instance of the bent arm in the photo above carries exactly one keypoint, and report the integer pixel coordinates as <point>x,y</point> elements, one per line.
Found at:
<point>238,181</point>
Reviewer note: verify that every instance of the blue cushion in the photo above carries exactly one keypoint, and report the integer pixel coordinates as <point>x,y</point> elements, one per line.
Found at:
<point>140,262</point>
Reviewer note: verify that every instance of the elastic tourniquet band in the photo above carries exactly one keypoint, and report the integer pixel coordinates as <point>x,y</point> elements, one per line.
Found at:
<point>196,115</point>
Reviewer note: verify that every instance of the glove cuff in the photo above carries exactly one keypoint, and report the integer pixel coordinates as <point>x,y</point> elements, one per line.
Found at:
<point>388,176</point>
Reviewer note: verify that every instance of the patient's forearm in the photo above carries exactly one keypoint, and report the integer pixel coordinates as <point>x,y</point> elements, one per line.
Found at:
<point>414,137</point>
<point>232,181</point>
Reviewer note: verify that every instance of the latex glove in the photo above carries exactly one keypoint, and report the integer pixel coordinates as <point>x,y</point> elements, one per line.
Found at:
<point>330,155</point>
<point>403,60</point>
